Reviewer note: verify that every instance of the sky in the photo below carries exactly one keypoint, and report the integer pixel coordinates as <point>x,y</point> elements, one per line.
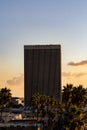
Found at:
<point>34,22</point>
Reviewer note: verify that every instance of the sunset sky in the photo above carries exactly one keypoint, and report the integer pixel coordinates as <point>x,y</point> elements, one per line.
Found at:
<point>31,22</point>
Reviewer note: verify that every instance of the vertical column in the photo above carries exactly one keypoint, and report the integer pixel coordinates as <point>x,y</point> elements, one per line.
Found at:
<point>41,70</point>
<point>46,71</point>
<point>35,72</point>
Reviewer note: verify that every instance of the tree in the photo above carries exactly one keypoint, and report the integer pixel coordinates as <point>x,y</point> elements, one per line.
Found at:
<point>75,95</point>
<point>70,112</point>
<point>73,117</point>
<point>46,106</point>
<point>67,93</point>
<point>79,96</point>
<point>5,98</point>
<point>74,100</point>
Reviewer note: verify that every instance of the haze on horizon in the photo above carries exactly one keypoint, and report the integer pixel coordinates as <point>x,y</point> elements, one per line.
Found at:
<point>42,22</point>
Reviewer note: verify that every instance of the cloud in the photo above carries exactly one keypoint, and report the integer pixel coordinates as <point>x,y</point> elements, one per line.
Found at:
<point>79,74</point>
<point>16,80</point>
<point>65,74</point>
<point>69,74</point>
<point>84,62</point>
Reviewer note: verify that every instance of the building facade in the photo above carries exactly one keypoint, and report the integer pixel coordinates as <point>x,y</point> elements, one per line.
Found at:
<point>42,71</point>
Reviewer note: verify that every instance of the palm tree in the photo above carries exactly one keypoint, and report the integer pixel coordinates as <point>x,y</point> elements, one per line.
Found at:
<point>73,117</point>
<point>67,93</point>
<point>75,95</point>
<point>74,99</point>
<point>79,96</point>
<point>5,98</point>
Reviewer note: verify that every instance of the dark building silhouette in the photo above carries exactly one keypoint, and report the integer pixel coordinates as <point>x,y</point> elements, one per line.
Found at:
<point>42,71</point>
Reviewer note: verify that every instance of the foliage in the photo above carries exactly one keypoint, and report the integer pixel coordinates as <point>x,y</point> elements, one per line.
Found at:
<point>43,101</point>
<point>74,100</point>
<point>70,113</point>
<point>5,98</point>
<point>75,95</point>
<point>73,117</point>
<point>46,106</point>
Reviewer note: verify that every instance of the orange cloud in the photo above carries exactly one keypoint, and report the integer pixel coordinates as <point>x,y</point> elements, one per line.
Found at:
<point>16,80</point>
<point>79,74</point>
<point>68,74</point>
<point>65,74</point>
<point>84,62</point>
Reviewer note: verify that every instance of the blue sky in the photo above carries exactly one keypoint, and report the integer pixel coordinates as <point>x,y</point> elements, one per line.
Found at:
<point>42,22</point>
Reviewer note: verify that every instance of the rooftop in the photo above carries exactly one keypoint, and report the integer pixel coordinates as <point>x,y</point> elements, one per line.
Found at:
<point>42,46</point>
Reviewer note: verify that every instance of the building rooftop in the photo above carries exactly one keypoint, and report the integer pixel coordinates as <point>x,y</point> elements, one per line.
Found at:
<point>42,46</point>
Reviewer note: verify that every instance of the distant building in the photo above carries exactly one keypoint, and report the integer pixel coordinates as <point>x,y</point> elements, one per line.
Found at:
<point>42,71</point>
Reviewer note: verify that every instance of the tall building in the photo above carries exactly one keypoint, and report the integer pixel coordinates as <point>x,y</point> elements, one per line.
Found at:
<point>42,71</point>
